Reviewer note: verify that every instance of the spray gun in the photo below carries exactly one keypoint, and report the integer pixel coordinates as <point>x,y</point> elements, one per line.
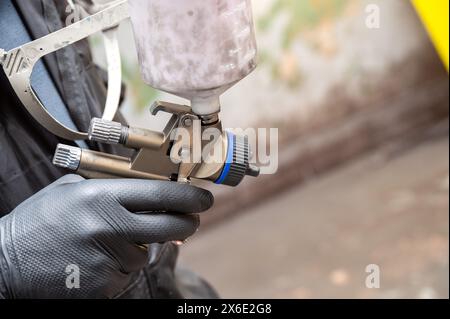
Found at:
<point>194,49</point>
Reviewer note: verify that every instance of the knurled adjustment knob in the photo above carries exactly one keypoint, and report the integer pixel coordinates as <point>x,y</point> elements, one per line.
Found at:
<point>237,164</point>
<point>107,132</point>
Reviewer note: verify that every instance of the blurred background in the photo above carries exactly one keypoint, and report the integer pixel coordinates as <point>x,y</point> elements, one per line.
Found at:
<point>363,174</point>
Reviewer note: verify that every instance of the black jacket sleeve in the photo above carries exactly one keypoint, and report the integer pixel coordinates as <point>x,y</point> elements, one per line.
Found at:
<point>26,148</point>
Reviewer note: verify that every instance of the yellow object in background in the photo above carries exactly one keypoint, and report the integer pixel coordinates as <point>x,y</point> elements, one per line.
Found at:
<point>434,14</point>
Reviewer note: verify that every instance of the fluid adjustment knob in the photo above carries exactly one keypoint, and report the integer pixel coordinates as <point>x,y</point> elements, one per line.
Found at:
<point>237,164</point>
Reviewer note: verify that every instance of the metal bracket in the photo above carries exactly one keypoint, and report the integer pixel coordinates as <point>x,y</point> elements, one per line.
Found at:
<point>18,64</point>
<point>114,63</point>
<point>170,108</point>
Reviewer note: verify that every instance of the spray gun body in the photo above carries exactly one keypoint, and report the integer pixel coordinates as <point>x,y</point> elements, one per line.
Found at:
<point>178,153</point>
<point>195,49</point>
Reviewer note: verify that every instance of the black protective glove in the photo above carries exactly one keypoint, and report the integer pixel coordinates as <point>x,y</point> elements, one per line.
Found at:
<point>94,226</point>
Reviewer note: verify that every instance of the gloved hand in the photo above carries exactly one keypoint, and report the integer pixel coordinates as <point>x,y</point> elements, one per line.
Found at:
<point>94,226</point>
